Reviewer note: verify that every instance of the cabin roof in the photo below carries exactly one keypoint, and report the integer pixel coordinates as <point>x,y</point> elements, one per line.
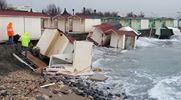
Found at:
<point>104,27</point>
<point>21,13</point>
<point>65,13</point>
<point>127,33</point>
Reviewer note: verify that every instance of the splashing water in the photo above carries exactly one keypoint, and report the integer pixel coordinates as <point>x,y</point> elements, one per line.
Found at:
<point>152,71</point>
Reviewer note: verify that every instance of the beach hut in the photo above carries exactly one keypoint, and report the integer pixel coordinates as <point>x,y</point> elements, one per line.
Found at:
<point>130,37</point>
<point>123,39</point>
<point>83,23</point>
<point>54,41</point>
<point>73,63</point>
<point>101,34</point>
<point>23,21</point>
<point>61,21</point>
<point>117,39</point>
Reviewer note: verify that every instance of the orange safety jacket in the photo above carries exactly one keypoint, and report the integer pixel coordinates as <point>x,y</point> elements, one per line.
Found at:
<point>10,31</point>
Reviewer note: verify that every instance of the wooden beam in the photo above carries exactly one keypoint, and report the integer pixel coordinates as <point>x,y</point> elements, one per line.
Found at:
<point>39,64</point>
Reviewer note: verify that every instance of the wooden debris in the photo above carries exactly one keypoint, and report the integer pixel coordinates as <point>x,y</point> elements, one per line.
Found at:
<point>21,60</point>
<point>47,85</point>
<point>39,64</point>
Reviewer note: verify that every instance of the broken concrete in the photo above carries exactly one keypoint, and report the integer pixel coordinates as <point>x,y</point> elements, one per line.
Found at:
<point>98,77</point>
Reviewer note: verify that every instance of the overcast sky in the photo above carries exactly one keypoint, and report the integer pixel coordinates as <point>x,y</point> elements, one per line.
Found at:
<point>167,8</point>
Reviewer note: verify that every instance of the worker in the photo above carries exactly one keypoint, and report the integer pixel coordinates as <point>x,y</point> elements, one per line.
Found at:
<point>10,32</point>
<point>25,40</point>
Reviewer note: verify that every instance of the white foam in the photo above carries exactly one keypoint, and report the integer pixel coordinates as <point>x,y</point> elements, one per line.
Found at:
<point>145,42</point>
<point>164,89</point>
<point>149,42</point>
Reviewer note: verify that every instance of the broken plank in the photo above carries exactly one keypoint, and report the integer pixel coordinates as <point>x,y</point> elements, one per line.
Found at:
<point>36,61</point>
<point>22,61</point>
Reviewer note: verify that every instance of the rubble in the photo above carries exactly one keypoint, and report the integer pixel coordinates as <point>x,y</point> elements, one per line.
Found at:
<point>22,84</point>
<point>98,77</point>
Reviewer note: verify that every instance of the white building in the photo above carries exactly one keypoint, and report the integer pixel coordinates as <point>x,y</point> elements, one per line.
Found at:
<point>75,23</point>
<point>83,24</point>
<point>124,38</point>
<point>101,34</point>
<point>117,39</point>
<point>23,21</point>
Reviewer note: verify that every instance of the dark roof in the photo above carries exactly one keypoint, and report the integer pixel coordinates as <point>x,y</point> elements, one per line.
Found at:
<point>65,13</point>
<point>21,13</point>
<point>104,27</point>
<point>127,33</point>
<point>115,25</point>
<point>83,16</point>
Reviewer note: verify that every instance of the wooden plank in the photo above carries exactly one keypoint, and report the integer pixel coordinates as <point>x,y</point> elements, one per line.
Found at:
<point>21,60</point>
<point>36,61</point>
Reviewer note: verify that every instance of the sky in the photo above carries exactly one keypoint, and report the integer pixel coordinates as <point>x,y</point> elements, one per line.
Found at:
<point>151,8</point>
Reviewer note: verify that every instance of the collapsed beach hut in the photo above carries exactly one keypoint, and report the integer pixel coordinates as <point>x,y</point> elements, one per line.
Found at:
<point>175,31</point>
<point>77,62</point>
<point>66,55</point>
<point>54,41</point>
<point>130,37</point>
<point>124,38</point>
<point>163,33</point>
<point>117,39</point>
<point>101,34</point>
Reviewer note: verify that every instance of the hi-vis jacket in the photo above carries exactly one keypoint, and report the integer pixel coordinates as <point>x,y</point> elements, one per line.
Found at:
<point>10,31</point>
<point>25,40</point>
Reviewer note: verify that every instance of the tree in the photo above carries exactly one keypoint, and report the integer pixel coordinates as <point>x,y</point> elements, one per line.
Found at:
<point>91,12</point>
<point>3,4</point>
<point>141,14</point>
<point>131,14</point>
<point>52,10</point>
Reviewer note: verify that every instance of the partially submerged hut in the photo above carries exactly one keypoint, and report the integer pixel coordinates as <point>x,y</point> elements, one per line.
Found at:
<point>101,34</point>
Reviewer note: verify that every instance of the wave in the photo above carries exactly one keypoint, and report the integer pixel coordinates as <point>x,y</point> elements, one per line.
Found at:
<point>167,89</point>
<point>150,42</point>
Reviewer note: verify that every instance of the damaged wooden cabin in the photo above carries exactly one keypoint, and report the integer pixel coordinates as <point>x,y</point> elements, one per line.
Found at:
<point>54,41</point>
<point>66,55</point>
<point>77,62</point>
<point>101,34</point>
<point>107,35</point>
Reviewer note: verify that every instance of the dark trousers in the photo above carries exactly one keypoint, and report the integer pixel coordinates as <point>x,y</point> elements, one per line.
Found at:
<point>10,41</point>
<point>25,49</point>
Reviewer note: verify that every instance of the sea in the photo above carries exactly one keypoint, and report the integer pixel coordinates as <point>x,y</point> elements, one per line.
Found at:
<point>151,71</point>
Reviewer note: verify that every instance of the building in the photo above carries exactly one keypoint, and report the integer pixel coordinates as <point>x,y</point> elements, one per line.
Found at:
<point>83,23</point>
<point>54,41</point>
<point>75,24</point>
<point>130,37</point>
<point>62,22</point>
<point>108,35</point>
<point>117,39</point>
<point>101,34</point>
<point>23,21</point>
<point>136,23</point>
<point>110,19</point>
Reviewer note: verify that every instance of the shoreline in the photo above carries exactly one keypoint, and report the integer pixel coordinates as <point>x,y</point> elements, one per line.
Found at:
<point>19,82</point>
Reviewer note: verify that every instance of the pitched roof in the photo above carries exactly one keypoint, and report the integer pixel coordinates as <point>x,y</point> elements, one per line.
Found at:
<point>21,13</point>
<point>127,33</point>
<point>104,27</point>
<point>129,29</point>
<point>65,13</point>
